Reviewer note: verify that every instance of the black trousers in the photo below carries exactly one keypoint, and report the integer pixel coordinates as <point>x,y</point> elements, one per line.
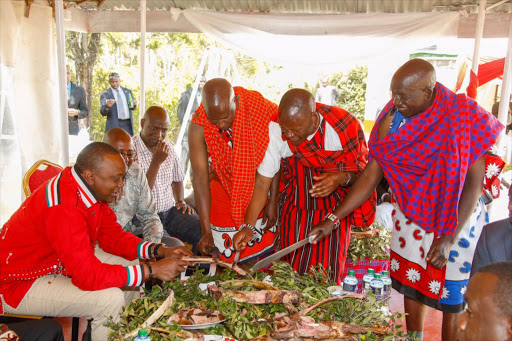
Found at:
<point>38,330</point>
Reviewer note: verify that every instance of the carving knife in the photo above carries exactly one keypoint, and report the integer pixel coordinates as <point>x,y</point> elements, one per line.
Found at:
<point>279,254</point>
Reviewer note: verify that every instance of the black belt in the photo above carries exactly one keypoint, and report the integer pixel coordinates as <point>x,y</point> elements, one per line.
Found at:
<point>123,120</point>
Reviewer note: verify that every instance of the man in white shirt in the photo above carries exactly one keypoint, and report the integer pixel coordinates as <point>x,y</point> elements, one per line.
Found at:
<point>117,104</point>
<point>321,151</point>
<point>327,94</point>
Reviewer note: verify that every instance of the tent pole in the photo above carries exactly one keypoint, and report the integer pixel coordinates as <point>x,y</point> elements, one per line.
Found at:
<point>63,94</point>
<point>478,35</point>
<point>505,91</point>
<point>142,61</point>
<point>184,125</point>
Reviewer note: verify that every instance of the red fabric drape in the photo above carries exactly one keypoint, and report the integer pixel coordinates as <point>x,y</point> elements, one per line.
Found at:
<point>486,73</point>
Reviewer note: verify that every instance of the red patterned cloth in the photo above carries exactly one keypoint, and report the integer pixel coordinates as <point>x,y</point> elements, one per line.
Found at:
<point>493,167</point>
<point>353,157</point>
<point>426,160</point>
<point>361,266</point>
<point>236,166</point>
<point>300,212</point>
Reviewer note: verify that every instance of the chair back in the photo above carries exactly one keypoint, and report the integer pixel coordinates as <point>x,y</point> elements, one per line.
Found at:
<point>39,173</point>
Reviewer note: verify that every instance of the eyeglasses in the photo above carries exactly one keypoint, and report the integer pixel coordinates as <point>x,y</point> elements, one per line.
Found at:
<point>129,155</point>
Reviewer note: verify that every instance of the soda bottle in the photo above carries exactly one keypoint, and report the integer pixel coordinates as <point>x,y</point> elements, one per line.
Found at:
<point>367,278</point>
<point>377,286</point>
<point>350,283</point>
<point>143,336</point>
<point>387,282</point>
<point>130,101</point>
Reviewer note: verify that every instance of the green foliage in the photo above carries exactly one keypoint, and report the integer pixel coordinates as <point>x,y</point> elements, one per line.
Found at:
<point>172,61</point>
<point>370,248</point>
<point>246,321</point>
<point>352,90</point>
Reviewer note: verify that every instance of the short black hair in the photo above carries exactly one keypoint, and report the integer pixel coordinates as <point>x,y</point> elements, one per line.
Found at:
<point>113,74</point>
<point>503,296</point>
<point>92,156</point>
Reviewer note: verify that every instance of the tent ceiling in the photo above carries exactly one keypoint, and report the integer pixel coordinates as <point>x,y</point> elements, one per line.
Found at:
<point>298,6</point>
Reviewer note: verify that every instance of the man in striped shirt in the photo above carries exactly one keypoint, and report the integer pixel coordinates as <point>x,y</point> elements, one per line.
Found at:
<point>62,253</point>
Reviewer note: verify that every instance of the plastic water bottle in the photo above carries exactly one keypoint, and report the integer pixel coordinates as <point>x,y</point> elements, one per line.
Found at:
<point>350,283</point>
<point>387,283</point>
<point>377,286</point>
<point>143,336</point>
<point>367,278</point>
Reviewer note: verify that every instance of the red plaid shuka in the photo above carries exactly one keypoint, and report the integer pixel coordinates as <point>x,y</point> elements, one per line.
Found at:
<point>427,159</point>
<point>236,166</point>
<point>353,157</point>
<point>300,212</point>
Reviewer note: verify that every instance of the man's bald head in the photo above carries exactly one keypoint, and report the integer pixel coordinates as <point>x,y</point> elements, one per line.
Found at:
<point>120,140</point>
<point>102,168</point>
<point>297,115</point>
<point>413,87</point>
<point>219,102</point>
<point>154,126</point>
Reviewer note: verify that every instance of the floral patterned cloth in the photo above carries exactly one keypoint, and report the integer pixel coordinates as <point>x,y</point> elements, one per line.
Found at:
<point>412,276</point>
<point>137,201</point>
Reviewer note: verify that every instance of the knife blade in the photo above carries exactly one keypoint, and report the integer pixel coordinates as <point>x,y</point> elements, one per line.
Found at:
<point>237,258</point>
<point>279,254</point>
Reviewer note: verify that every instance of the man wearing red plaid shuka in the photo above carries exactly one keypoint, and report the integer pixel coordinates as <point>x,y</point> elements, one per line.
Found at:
<point>321,151</point>
<point>228,137</point>
<point>429,143</point>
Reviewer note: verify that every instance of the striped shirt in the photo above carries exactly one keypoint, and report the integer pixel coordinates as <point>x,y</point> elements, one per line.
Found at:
<point>170,171</point>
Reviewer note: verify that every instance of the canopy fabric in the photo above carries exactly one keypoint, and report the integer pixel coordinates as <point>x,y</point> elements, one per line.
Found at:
<point>29,110</point>
<point>323,40</point>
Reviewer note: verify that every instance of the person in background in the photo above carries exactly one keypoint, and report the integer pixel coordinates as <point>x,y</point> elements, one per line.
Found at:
<point>495,243</point>
<point>327,94</point>
<point>182,108</point>
<point>383,213</point>
<point>320,151</point>
<point>135,199</point>
<point>162,167</point>
<point>429,143</point>
<point>62,253</point>
<point>117,104</point>
<point>489,305</point>
<point>228,137</point>
<point>77,104</point>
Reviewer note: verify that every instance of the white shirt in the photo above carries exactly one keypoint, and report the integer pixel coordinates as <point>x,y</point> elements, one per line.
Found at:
<point>278,149</point>
<point>122,102</point>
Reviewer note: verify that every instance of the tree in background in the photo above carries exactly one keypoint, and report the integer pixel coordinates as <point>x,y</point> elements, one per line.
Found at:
<point>83,49</point>
<point>352,90</point>
<point>172,65</point>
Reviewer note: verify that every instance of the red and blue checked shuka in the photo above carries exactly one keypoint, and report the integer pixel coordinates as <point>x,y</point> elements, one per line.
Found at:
<point>426,161</point>
<point>300,212</point>
<point>234,157</point>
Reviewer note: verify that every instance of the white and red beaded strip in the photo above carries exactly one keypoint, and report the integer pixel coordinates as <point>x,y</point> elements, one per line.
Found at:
<point>143,250</point>
<point>135,276</point>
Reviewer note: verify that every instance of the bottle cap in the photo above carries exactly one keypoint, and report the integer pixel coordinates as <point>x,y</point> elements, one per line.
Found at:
<point>371,271</point>
<point>385,273</point>
<point>143,332</point>
<point>377,276</point>
<point>351,272</point>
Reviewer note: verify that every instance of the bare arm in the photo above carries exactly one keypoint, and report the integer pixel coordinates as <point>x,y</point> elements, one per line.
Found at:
<point>437,256</point>
<point>201,184</point>
<point>270,211</point>
<point>359,192</point>
<point>262,185</point>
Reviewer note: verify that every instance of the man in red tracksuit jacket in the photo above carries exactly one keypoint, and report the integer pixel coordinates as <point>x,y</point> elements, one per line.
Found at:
<point>62,253</point>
